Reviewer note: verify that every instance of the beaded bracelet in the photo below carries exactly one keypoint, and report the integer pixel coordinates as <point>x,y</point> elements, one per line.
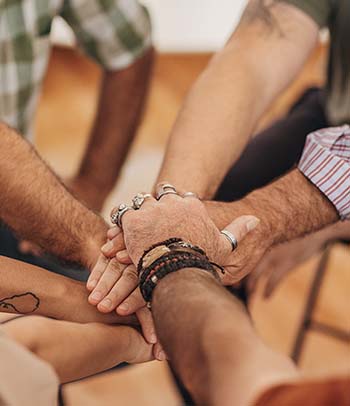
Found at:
<point>171,262</point>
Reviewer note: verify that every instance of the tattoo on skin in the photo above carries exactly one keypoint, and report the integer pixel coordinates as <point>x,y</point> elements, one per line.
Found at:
<point>23,303</point>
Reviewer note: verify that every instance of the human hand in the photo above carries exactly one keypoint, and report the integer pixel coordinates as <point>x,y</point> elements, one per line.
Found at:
<point>186,218</point>
<point>255,245</point>
<point>286,257</point>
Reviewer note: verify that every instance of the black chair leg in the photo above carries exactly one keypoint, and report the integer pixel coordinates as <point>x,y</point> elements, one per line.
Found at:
<point>310,306</point>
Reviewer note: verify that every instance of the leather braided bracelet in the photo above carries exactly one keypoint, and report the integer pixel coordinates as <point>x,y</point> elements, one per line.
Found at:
<point>167,257</point>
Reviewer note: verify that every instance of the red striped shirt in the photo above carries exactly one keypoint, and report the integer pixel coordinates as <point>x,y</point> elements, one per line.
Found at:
<point>326,162</point>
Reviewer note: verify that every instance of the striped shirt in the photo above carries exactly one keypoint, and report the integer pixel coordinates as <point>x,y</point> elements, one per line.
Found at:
<point>326,163</point>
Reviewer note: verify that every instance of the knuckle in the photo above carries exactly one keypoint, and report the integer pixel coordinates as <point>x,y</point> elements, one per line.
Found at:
<point>130,275</point>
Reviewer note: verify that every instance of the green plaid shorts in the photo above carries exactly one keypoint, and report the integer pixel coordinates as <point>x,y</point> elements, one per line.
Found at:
<point>114,33</point>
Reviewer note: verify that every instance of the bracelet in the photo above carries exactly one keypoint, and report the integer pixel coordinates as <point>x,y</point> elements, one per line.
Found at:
<point>167,257</point>
<point>162,248</point>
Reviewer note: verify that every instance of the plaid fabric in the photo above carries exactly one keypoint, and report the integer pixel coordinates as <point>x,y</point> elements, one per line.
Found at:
<point>112,32</point>
<point>326,163</point>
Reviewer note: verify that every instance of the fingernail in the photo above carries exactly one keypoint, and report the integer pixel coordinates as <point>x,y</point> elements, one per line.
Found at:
<point>91,284</point>
<point>161,356</point>
<point>153,338</point>
<point>107,303</point>
<point>96,296</point>
<point>122,255</point>
<point>107,247</point>
<point>251,224</point>
<point>124,307</point>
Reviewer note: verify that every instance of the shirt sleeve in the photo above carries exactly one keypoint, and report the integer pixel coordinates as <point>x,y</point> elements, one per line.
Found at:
<point>326,163</point>
<point>114,33</point>
<point>319,10</point>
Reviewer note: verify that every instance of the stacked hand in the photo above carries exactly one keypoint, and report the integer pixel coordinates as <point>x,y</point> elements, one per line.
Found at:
<point>114,281</point>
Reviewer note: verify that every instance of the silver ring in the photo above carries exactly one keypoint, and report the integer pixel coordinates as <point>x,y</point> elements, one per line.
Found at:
<point>190,194</point>
<point>165,189</point>
<point>139,199</point>
<point>231,238</point>
<point>167,192</point>
<point>118,213</point>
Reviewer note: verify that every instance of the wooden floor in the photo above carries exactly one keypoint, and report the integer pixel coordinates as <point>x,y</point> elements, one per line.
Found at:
<point>65,114</point>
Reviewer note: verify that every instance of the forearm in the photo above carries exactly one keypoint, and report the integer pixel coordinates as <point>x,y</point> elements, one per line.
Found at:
<point>34,203</point>
<point>288,208</point>
<point>121,102</point>
<point>76,351</point>
<point>26,289</point>
<point>213,126</point>
<point>209,337</point>
<point>229,98</point>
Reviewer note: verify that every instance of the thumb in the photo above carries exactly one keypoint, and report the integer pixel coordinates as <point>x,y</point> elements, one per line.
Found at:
<point>239,228</point>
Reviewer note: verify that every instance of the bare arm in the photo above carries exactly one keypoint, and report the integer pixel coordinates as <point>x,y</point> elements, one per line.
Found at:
<point>288,208</point>
<point>78,350</point>
<point>209,337</point>
<point>34,203</point>
<point>121,102</point>
<point>269,47</point>
<point>27,289</point>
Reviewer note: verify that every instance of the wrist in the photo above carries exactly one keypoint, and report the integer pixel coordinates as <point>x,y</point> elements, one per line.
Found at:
<point>91,244</point>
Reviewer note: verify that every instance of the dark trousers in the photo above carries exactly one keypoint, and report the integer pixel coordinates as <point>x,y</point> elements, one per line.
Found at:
<point>276,150</point>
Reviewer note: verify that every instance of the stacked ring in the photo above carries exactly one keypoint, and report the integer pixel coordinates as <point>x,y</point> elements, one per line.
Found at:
<point>165,189</point>
<point>118,212</point>
<point>139,199</point>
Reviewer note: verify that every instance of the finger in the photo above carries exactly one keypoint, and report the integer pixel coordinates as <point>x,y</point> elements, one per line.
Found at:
<point>148,202</point>
<point>107,280</point>
<point>158,352</point>
<point>113,232</point>
<point>240,227</point>
<point>123,257</point>
<point>146,321</point>
<point>131,304</point>
<point>169,197</point>
<point>121,289</point>
<point>97,272</point>
<point>113,246</point>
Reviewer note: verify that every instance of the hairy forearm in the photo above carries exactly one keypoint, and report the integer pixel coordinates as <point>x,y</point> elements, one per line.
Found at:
<point>288,208</point>
<point>27,289</point>
<point>225,104</point>
<point>36,205</point>
<point>121,102</point>
<point>208,335</point>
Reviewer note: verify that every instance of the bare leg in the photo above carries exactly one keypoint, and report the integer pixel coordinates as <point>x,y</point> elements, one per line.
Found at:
<point>210,340</point>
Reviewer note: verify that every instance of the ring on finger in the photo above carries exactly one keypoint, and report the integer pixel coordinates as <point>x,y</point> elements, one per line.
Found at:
<point>167,192</point>
<point>118,212</point>
<point>165,189</point>
<point>231,238</point>
<point>139,199</point>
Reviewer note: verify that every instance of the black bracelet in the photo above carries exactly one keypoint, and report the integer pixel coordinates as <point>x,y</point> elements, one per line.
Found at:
<point>173,244</point>
<point>171,263</point>
<point>178,255</point>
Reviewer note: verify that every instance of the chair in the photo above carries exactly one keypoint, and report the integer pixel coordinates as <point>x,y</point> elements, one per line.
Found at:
<point>308,323</point>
